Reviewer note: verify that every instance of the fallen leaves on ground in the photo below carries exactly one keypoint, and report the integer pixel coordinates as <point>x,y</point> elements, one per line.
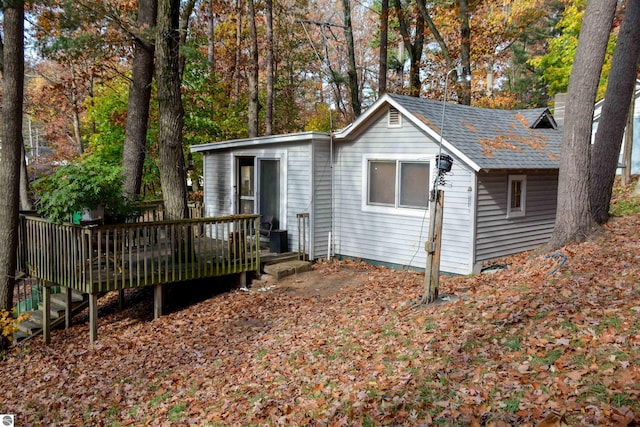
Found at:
<point>519,347</point>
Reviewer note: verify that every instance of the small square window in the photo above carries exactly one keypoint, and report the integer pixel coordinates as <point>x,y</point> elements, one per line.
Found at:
<point>516,196</point>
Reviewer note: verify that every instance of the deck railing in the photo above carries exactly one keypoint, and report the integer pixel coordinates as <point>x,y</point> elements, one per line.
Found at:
<point>102,258</point>
<point>303,226</point>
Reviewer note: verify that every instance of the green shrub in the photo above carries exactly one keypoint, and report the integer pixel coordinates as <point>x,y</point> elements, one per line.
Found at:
<point>81,185</point>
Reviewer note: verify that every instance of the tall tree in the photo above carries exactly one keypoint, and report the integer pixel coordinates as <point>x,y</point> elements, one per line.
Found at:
<point>238,54</point>
<point>254,104</point>
<point>615,110</point>
<point>414,47</point>
<point>573,214</point>
<point>351,58</point>
<point>11,146</point>
<point>185,18</point>
<point>170,112</point>
<point>384,40</point>
<point>465,50</point>
<point>134,150</point>
<point>211,39</point>
<point>269,68</point>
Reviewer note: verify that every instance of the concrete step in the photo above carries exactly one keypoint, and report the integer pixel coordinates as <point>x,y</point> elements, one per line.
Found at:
<point>287,268</point>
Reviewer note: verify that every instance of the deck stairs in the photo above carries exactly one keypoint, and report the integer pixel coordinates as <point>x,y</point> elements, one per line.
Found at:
<point>32,327</point>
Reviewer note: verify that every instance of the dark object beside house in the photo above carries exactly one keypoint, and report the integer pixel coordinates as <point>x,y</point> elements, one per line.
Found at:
<point>278,241</point>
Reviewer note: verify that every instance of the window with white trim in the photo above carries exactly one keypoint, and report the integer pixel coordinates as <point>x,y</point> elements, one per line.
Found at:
<point>398,184</point>
<point>516,196</point>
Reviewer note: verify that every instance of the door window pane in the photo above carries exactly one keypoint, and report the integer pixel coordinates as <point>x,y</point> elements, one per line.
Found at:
<point>269,185</point>
<point>246,181</point>
<point>414,184</point>
<point>382,183</point>
<point>246,206</point>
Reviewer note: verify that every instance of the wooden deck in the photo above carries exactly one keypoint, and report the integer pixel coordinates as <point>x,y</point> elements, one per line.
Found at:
<point>98,259</point>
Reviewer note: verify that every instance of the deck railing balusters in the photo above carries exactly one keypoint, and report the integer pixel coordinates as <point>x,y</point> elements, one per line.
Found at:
<point>100,258</point>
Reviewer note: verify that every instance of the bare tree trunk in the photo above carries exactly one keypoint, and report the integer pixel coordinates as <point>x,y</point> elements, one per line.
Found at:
<point>627,144</point>
<point>413,49</point>
<point>11,147</point>
<point>253,71</point>
<point>384,35</point>
<point>270,72</point>
<point>211,40</point>
<point>135,141</point>
<point>615,110</point>
<point>351,57</point>
<point>236,65</point>
<point>573,214</point>
<point>26,204</point>
<point>465,51</point>
<point>77,137</point>
<point>436,35</point>
<point>184,29</point>
<point>170,112</point>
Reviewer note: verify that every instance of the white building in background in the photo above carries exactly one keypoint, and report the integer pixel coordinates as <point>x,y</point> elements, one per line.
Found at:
<point>635,148</point>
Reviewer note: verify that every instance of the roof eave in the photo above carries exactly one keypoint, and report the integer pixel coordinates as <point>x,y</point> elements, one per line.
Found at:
<point>305,137</point>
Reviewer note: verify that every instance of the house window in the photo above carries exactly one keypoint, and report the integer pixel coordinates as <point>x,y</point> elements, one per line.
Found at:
<point>516,196</point>
<point>398,184</point>
<point>394,117</point>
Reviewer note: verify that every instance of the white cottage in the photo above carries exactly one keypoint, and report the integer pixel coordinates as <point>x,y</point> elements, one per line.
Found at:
<point>371,201</point>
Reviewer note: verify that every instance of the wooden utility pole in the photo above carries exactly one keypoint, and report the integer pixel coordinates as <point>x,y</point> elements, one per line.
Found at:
<point>432,246</point>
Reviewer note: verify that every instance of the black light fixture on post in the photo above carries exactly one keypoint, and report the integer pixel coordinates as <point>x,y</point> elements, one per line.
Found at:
<point>444,162</point>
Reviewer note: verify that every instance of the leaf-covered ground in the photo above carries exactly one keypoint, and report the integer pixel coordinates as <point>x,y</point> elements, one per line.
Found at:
<point>517,344</point>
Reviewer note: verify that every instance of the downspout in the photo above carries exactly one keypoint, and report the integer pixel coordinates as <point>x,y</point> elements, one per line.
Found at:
<point>332,232</point>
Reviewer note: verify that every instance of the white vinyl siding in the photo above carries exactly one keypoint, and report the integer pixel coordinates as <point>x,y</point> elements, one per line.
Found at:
<point>497,235</point>
<point>218,188</point>
<point>298,189</point>
<point>388,237</point>
<point>321,215</point>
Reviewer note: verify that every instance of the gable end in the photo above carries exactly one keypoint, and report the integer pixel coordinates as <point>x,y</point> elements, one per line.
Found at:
<point>545,121</point>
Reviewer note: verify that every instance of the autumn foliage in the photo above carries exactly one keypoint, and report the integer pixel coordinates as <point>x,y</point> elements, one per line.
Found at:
<point>537,336</point>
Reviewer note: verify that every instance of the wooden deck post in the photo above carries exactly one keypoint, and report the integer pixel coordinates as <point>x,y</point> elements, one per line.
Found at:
<point>158,289</point>
<point>120,299</point>
<point>67,307</point>
<point>243,280</point>
<point>46,307</point>
<point>93,317</point>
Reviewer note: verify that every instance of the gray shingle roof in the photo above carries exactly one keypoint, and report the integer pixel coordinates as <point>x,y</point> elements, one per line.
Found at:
<point>493,139</point>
